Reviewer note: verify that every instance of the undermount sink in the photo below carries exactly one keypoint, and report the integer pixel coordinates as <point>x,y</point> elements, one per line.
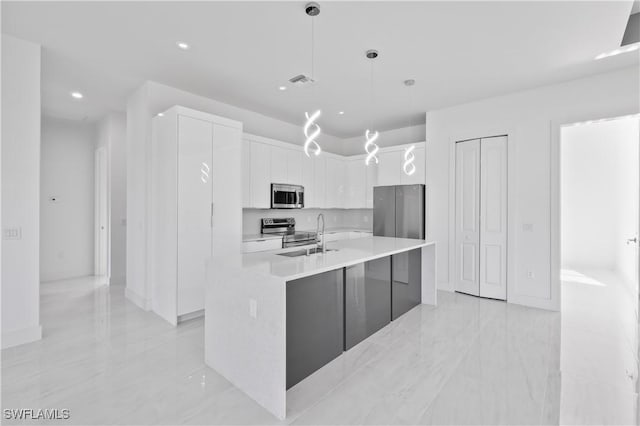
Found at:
<point>305,252</point>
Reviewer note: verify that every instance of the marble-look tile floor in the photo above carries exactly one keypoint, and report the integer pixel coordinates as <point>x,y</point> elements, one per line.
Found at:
<point>468,361</point>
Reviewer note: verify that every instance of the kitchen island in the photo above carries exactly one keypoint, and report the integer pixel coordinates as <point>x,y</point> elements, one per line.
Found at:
<point>273,318</point>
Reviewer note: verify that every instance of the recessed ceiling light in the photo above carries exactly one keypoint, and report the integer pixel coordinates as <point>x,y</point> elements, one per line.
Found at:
<point>282,88</point>
<point>625,49</point>
<point>160,114</point>
<point>182,45</point>
<point>77,95</point>
<point>341,112</point>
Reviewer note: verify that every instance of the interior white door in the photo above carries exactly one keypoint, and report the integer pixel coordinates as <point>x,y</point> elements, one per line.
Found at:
<point>493,217</point>
<point>195,160</point>
<point>467,213</point>
<point>101,250</point>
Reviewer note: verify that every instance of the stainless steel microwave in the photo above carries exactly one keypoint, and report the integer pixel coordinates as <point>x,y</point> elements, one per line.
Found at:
<point>285,196</point>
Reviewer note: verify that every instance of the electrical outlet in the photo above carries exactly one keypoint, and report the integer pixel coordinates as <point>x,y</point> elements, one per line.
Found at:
<point>527,227</point>
<point>253,308</point>
<point>366,219</point>
<point>530,275</point>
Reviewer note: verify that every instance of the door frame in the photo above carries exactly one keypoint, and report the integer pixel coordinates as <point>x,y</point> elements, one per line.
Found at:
<point>512,184</point>
<point>102,261</point>
<point>554,182</point>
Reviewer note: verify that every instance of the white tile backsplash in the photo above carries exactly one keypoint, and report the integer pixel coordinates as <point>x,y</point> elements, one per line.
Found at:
<point>306,218</point>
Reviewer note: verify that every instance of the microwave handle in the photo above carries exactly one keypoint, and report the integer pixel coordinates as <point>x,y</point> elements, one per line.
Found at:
<point>300,198</point>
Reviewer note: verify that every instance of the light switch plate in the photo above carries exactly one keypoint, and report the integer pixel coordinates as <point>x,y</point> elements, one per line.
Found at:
<point>12,233</point>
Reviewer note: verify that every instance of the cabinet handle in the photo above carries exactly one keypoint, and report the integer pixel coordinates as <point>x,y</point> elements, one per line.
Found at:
<point>212,215</point>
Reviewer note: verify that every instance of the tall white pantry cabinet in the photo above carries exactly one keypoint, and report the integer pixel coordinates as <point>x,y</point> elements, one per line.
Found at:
<point>196,205</point>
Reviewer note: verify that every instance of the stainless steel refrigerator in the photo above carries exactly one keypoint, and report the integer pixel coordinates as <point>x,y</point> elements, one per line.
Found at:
<point>399,211</point>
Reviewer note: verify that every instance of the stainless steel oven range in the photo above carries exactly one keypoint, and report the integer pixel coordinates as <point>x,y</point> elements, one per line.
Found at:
<point>287,228</point>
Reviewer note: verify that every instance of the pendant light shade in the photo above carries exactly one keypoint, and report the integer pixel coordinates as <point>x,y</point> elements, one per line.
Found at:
<point>311,132</point>
<point>409,158</point>
<point>311,128</point>
<point>370,146</point>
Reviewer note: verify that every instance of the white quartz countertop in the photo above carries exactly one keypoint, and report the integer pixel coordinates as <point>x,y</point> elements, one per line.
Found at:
<point>341,229</point>
<point>349,252</point>
<point>257,237</point>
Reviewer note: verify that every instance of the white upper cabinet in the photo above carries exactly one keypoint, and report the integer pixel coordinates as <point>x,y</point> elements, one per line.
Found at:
<point>278,164</point>
<point>336,174</point>
<point>246,173</point>
<point>260,175</point>
<point>371,180</point>
<point>319,196</point>
<point>294,166</point>
<point>356,179</point>
<point>329,180</point>
<point>389,167</point>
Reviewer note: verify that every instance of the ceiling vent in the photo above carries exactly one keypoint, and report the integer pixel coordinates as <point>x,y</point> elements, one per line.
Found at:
<point>301,80</point>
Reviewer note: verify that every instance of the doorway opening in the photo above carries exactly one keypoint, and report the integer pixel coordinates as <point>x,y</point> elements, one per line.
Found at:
<point>599,205</point>
<point>101,223</point>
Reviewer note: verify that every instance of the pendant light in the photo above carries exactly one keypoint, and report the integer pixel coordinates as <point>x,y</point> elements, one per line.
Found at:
<point>408,166</point>
<point>311,128</point>
<point>409,157</point>
<point>370,136</point>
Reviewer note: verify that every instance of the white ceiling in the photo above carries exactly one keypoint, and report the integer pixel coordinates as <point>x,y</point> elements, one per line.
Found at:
<point>242,51</point>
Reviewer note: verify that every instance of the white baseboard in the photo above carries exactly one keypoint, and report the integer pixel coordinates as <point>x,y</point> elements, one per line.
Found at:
<point>22,336</point>
<point>137,300</point>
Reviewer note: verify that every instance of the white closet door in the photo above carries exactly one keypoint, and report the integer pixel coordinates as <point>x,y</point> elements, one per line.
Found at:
<point>493,218</point>
<point>195,170</point>
<point>467,217</point>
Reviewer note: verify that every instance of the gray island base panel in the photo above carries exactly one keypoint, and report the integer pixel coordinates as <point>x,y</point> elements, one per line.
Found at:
<point>247,305</point>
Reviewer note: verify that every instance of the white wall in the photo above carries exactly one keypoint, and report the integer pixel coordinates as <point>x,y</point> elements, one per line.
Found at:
<point>67,174</point>
<point>20,190</point>
<point>112,134</point>
<point>147,101</point>
<point>527,117</point>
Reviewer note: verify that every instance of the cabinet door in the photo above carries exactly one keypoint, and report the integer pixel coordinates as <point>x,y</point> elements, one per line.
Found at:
<point>467,217</point>
<point>336,183</point>
<point>389,167</point>
<point>314,323</point>
<point>419,175</point>
<point>308,177</point>
<point>320,182</point>
<point>246,173</point>
<point>493,218</point>
<point>367,298</point>
<point>406,287</point>
<point>260,175</point>
<point>371,181</point>
<point>195,170</point>
<point>356,184</point>
<point>279,172</point>
<point>294,166</point>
